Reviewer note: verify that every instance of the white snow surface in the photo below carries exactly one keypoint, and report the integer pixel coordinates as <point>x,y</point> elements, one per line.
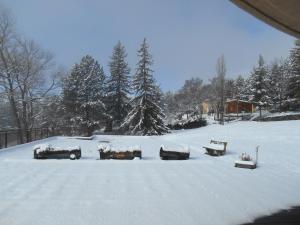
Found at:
<point>203,190</point>
<point>119,148</point>
<point>48,147</point>
<point>282,114</point>
<point>176,148</point>
<point>250,163</point>
<point>42,147</point>
<point>217,147</point>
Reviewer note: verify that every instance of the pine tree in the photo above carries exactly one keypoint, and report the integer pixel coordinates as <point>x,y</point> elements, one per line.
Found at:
<point>277,84</point>
<point>83,95</point>
<point>258,85</point>
<point>146,117</point>
<point>239,90</point>
<point>118,84</point>
<point>294,80</point>
<point>229,89</point>
<point>52,114</point>
<point>248,94</point>
<point>70,93</point>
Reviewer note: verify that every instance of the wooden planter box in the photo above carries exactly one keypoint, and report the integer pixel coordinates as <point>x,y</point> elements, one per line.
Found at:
<point>57,153</point>
<point>166,154</point>
<point>245,164</point>
<point>216,148</point>
<point>107,153</point>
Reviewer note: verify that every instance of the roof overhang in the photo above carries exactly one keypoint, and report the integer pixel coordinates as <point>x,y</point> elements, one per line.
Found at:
<point>281,14</point>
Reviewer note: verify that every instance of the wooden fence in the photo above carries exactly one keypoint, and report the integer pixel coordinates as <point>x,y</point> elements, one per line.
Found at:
<point>10,138</point>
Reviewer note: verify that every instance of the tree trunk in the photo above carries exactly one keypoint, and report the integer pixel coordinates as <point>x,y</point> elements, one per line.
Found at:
<point>16,118</point>
<point>259,111</point>
<point>108,125</point>
<point>89,131</point>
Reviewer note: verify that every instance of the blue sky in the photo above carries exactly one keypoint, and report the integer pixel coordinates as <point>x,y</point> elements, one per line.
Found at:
<point>185,37</point>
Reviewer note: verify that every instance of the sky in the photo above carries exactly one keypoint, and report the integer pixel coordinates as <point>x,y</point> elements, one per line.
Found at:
<point>185,37</point>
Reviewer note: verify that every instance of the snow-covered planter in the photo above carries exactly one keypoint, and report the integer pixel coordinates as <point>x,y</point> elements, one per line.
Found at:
<point>245,164</point>
<point>216,148</point>
<point>110,152</point>
<point>245,161</point>
<point>46,151</point>
<point>174,153</point>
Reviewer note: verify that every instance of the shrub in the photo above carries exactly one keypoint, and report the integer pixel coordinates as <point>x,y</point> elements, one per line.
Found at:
<point>245,157</point>
<point>189,124</point>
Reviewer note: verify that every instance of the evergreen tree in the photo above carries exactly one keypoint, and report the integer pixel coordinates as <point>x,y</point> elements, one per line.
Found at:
<point>239,88</point>
<point>146,117</point>
<point>277,84</point>
<point>239,91</point>
<point>52,113</point>
<point>70,93</point>
<point>248,94</point>
<point>294,80</point>
<point>229,89</point>
<point>83,95</point>
<point>118,84</point>
<point>258,85</point>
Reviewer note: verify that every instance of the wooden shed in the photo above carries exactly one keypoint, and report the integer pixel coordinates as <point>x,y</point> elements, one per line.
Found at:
<point>239,106</point>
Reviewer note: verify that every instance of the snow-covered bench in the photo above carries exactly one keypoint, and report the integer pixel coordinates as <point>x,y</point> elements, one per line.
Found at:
<point>46,151</point>
<point>216,148</point>
<point>113,152</point>
<point>174,153</point>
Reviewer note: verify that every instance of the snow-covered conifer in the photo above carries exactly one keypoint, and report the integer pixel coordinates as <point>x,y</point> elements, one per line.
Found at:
<point>118,84</point>
<point>294,79</point>
<point>146,117</point>
<point>258,84</point>
<point>240,85</point>
<point>277,84</point>
<point>83,94</point>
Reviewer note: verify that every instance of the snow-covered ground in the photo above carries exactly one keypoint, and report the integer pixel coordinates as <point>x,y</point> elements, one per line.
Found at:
<point>203,190</point>
<point>281,114</point>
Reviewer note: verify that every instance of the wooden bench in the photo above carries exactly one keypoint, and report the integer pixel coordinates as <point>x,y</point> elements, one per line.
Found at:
<point>46,151</point>
<point>107,152</point>
<point>172,154</point>
<point>216,148</point>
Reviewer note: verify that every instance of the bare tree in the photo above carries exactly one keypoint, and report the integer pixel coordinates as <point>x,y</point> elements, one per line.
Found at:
<point>221,72</point>
<point>23,70</point>
<point>34,63</point>
<point>213,96</point>
<point>190,95</point>
<point>7,68</point>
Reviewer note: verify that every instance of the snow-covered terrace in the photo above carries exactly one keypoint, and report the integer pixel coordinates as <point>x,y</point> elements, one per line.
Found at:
<point>203,190</point>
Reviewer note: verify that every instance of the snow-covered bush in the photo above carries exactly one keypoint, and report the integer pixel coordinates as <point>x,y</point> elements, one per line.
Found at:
<point>42,148</point>
<point>245,157</point>
<point>189,124</point>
